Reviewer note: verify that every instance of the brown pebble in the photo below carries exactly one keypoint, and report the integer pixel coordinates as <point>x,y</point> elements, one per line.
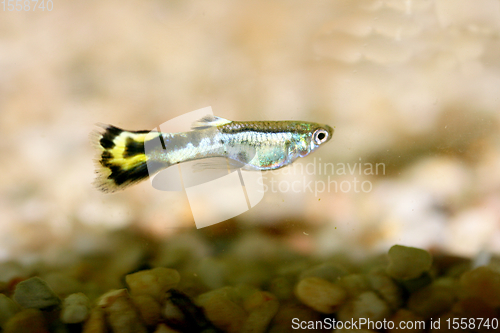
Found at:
<point>262,307</point>
<point>434,299</point>
<point>27,321</point>
<point>410,321</point>
<point>154,282</point>
<point>385,287</point>
<point>319,294</point>
<point>75,309</point>
<point>162,328</point>
<point>282,321</point>
<point>8,308</point>
<point>222,310</point>
<point>121,314</point>
<point>474,308</point>
<point>96,322</point>
<point>149,309</point>
<point>483,283</point>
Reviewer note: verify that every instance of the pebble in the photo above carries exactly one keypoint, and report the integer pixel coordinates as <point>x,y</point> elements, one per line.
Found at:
<point>320,295</point>
<point>35,293</point>
<point>412,285</point>
<point>8,308</point>
<point>433,299</point>
<point>328,271</point>
<point>149,309</point>
<point>367,305</point>
<point>171,312</point>
<point>406,316</point>
<point>282,288</point>
<point>474,308</point>
<point>121,313</point>
<point>354,284</point>
<point>385,287</point>
<point>154,282</point>
<point>27,321</point>
<point>483,283</point>
<point>246,273</point>
<point>162,328</point>
<point>96,322</point>
<point>282,321</point>
<point>255,299</point>
<point>408,262</point>
<point>262,307</point>
<point>76,308</point>
<point>222,309</point>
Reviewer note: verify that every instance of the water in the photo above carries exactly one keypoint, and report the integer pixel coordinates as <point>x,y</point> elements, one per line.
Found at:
<point>410,86</point>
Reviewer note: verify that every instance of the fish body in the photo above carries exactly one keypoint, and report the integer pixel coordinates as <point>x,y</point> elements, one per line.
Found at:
<point>127,157</point>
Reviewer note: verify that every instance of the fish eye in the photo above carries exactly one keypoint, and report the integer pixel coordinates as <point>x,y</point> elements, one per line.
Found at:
<point>320,136</point>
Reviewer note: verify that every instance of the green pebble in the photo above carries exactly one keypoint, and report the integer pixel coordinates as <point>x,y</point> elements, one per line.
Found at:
<point>35,293</point>
<point>408,262</point>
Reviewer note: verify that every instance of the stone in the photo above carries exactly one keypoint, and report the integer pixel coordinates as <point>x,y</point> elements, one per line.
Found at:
<point>149,309</point>
<point>96,322</point>
<point>75,309</point>
<point>386,288</point>
<point>367,305</point>
<point>8,308</point>
<point>328,271</point>
<point>320,295</point>
<point>405,318</point>
<point>222,309</point>
<point>35,293</point>
<point>27,321</point>
<point>262,306</point>
<point>433,299</point>
<point>408,262</point>
<point>121,313</point>
<point>154,282</point>
<point>483,283</point>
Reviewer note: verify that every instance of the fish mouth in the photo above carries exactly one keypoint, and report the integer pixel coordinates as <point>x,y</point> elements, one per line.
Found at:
<point>330,131</point>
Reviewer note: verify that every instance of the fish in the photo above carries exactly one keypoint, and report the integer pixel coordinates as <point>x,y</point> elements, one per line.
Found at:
<point>128,157</point>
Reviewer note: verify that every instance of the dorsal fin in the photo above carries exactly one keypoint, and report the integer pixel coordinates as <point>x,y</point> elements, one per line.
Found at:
<point>209,121</point>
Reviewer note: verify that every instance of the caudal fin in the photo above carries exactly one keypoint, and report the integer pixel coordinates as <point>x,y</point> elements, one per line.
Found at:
<point>122,160</point>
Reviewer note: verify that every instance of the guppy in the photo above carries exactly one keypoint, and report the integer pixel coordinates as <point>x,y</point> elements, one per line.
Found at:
<point>127,157</point>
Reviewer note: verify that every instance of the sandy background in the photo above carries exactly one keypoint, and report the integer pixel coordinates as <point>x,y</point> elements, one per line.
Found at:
<point>411,84</point>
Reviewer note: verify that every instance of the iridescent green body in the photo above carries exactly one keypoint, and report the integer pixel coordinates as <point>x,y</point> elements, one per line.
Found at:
<point>254,145</point>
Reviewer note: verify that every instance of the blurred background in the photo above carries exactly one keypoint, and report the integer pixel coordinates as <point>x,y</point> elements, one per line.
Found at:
<point>414,85</point>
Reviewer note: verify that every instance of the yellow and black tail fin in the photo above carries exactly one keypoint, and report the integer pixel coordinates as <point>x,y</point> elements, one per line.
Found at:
<point>122,160</point>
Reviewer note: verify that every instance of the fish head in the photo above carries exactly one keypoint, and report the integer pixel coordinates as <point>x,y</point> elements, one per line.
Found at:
<point>313,136</point>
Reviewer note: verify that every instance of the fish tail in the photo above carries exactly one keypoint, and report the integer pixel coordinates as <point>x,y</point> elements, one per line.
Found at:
<point>122,160</point>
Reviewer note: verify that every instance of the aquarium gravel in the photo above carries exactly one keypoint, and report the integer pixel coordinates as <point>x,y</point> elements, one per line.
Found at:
<point>278,290</point>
